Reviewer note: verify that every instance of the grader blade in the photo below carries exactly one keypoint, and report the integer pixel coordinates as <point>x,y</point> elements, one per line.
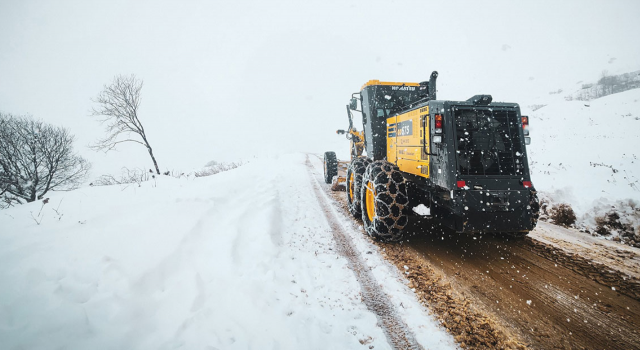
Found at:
<point>339,182</point>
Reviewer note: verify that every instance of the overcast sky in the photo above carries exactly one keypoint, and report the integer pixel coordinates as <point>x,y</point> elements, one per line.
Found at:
<point>227,80</point>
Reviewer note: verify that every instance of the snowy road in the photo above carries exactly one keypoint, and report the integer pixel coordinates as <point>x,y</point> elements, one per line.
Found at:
<point>397,332</point>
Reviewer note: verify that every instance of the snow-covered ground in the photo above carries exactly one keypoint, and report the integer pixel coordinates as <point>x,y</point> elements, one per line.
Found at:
<point>240,260</point>
<point>586,154</point>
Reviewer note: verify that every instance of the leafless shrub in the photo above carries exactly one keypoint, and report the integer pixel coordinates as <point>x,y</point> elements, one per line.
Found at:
<point>607,223</point>
<point>544,209</point>
<point>127,176</point>
<point>38,218</point>
<point>176,174</point>
<point>36,158</point>
<point>612,223</point>
<point>138,176</point>
<point>563,215</point>
<point>58,211</point>
<point>216,168</point>
<point>618,221</point>
<point>607,85</point>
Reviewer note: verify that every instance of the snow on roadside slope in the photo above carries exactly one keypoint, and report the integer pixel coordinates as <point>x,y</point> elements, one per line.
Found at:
<point>585,153</point>
<point>239,260</point>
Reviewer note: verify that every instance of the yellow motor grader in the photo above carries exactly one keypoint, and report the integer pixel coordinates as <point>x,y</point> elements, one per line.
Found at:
<point>461,163</point>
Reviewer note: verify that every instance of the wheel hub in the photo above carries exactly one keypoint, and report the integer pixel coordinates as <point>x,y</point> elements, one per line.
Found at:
<point>371,201</point>
<point>351,181</point>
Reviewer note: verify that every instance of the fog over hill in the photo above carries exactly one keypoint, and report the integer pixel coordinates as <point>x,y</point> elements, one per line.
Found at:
<point>229,81</point>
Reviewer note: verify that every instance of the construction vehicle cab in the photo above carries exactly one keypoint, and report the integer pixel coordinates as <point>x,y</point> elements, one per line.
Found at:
<point>461,163</point>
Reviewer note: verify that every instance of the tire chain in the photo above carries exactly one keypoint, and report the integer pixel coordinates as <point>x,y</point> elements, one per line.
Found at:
<point>392,201</point>
<point>534,206</point>
<point>357,167</point>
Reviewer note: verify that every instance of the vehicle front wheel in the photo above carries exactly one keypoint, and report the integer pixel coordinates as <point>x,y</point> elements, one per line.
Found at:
<point>330,166</point>
<point>355,171</point>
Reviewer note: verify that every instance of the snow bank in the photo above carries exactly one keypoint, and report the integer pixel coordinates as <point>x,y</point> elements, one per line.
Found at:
<point>239,260</point>
<point>586,153</point>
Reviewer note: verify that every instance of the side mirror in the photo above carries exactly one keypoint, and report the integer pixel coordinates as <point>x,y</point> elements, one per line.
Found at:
<point>353,105</point>
<point>340,132</point>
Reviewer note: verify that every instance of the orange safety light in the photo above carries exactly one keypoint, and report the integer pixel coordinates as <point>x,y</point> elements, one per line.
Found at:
<point>438,121</point>
<point>525,121</point>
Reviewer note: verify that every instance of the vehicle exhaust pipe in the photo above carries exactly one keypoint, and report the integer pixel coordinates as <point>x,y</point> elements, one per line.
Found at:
<point>432,85</point>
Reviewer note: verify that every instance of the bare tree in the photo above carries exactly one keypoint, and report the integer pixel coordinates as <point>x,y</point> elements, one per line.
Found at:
<point>36,158</point>
<point>118,107</point>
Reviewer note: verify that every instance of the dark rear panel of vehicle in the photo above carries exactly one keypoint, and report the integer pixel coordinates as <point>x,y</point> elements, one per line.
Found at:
<point>488,142</point>
<point>479,169</point>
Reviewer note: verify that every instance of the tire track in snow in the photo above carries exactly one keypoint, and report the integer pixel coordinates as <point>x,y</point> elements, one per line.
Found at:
<point>398,334</point>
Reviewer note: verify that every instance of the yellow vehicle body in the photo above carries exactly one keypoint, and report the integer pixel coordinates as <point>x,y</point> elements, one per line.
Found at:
<point>407,144</point>
<point>357,143</point>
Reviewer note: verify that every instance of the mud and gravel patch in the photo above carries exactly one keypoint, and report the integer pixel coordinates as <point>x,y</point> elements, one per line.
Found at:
<point>540,300</point>
<point>470,328</point>
<point>621,282</point>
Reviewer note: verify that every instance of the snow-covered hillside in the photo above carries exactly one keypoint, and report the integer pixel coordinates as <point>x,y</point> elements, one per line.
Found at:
<point>585,153</point>
<point>240,260</point>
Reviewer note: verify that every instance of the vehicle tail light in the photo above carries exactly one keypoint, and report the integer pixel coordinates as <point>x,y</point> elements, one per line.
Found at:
<point>527,184</point>
<point>461,184</point>
<point>438,121</point>
<point>438,124</point>
<point>525,125</point>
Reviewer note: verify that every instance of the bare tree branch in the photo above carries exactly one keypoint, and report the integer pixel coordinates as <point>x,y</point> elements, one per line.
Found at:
<point>118,110</point>
<point>36,158</point>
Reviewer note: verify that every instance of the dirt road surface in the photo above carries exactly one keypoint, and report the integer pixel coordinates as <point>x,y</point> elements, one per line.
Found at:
<point>536,296</point>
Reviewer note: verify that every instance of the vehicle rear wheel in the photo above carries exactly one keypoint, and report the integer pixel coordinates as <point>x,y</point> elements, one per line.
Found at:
<point>355,171</point>
<point>385,202</point>
<point>534,206</point>
<point>330,165</point>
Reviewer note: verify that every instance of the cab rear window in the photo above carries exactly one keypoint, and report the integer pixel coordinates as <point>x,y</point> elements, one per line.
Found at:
<point>488,142</point>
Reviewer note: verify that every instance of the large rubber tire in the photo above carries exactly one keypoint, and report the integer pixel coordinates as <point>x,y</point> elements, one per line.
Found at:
<point>330,166</point>
<point>534,206</point>
<point>385,202</point>
<point>355,171</point>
